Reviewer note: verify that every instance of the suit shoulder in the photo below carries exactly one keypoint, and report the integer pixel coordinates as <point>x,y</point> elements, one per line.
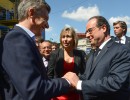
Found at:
<point>120,47</point>
<point>128,38</point>
<point>79,52</point>
<point>57,52</point>
<point>14,33</point>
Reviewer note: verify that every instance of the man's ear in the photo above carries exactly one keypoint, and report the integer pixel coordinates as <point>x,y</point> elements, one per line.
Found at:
<point>104,28</point>
<point>31,12</point>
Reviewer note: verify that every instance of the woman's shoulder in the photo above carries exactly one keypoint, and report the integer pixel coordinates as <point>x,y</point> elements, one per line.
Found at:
<point>57,51</point>
<point>79,51</point>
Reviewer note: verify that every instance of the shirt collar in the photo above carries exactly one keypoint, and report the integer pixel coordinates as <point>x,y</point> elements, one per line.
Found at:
<point>104,43</point>
<point>123,39</point>
<point>31,34</point>
<point>44,59</point>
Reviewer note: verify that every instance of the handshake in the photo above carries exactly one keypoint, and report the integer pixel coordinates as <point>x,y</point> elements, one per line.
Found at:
<point>72,78</point>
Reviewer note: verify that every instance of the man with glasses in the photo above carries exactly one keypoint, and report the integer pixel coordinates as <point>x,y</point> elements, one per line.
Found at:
<point>120,30</point>
<point>105,77</point>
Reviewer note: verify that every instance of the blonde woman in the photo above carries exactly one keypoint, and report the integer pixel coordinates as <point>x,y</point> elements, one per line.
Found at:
<point>67,58</point>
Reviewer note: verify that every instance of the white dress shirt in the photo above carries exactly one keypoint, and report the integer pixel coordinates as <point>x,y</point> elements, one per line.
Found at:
<point>45,61</point>
<point>31,34</point>
<point>122,40</point>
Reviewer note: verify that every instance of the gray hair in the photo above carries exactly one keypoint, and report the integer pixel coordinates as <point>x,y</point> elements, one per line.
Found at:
<point>35,4</point>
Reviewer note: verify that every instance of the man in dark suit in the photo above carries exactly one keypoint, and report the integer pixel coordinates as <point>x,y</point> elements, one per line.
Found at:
<point>120,30</point>
<point>106,76</point>
<point>21,60</point>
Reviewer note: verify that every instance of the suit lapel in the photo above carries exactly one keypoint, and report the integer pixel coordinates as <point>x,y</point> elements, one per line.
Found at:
<point>60,64</point>
<point>100,56</point>
<point>89,65</point>
<point>76,61</point>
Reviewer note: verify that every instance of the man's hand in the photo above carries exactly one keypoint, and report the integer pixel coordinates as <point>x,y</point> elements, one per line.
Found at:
<point>72,78</point>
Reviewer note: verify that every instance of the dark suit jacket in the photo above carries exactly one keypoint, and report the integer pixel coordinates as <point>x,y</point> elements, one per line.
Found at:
<point>25,70</point>
<point>56,63</point>
<point>3,82</point>
<point>108,77</point>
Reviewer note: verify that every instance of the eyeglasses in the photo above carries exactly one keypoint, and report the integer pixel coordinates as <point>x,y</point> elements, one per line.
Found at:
<point>90,30</point>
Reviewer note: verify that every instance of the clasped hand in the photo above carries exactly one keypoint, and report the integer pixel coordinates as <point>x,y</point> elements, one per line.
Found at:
<point>72,78</point>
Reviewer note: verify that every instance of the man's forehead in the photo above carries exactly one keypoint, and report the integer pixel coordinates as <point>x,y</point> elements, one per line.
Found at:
<point>91,23</point>
<point>45,42</point>
<point>117,25</point>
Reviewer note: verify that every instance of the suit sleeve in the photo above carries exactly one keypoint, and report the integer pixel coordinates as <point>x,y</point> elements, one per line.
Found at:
<point>114,80</point>
<point>22,66</point>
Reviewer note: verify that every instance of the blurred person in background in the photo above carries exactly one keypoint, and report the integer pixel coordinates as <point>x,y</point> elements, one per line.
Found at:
<point>45,50</point>
<point>120,30</point>
<point>54,46</point>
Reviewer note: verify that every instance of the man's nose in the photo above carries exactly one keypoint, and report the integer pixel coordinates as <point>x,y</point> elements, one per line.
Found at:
<point>87,35</point>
